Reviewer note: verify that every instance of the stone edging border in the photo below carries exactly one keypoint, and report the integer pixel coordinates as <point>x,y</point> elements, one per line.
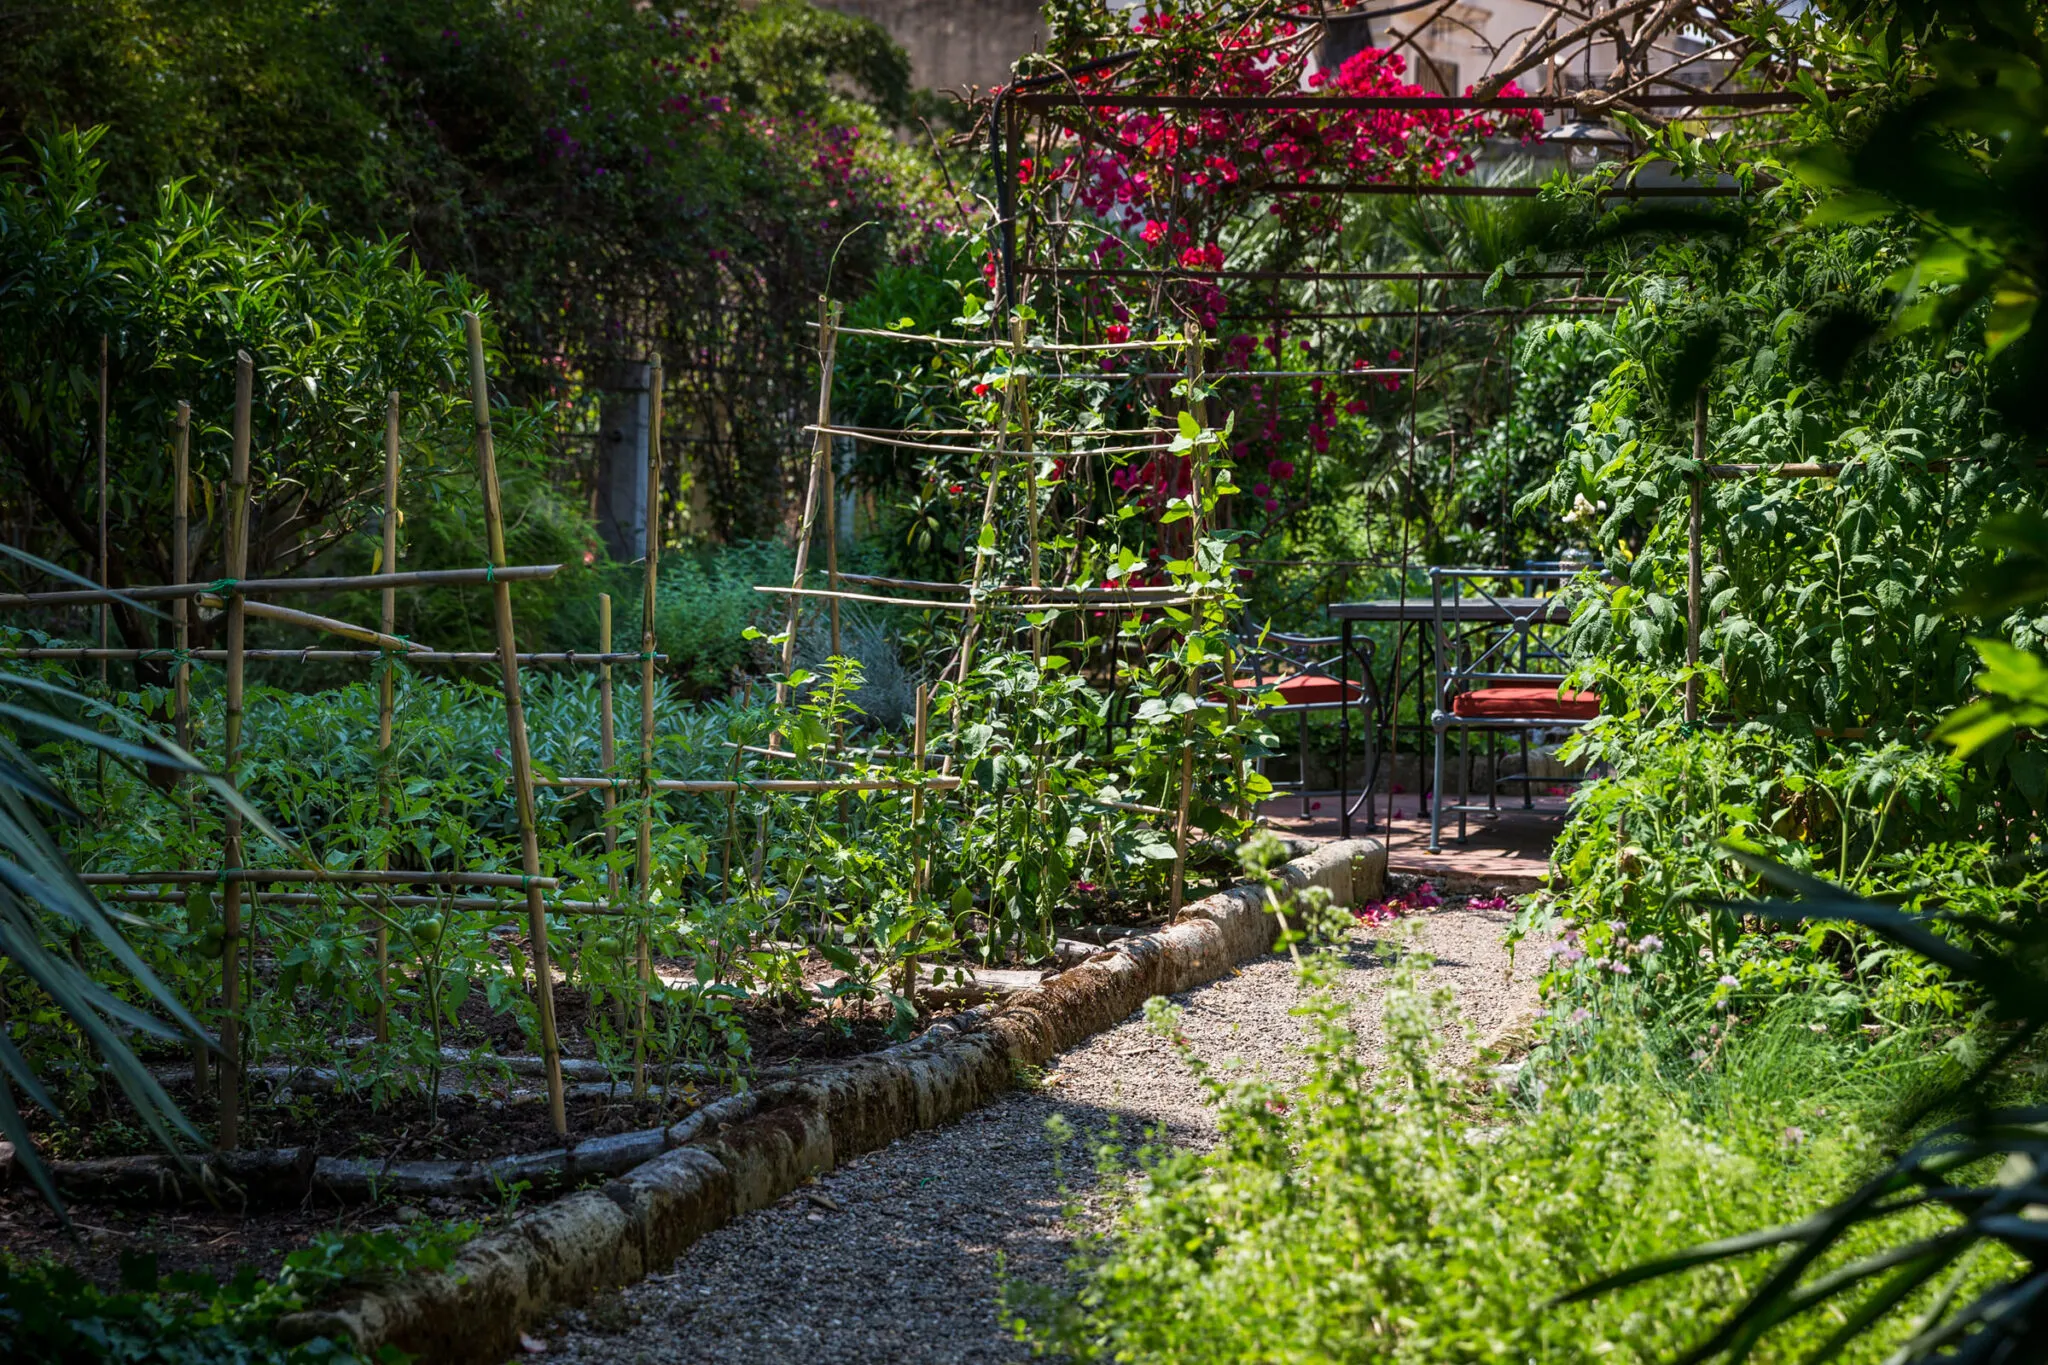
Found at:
<point>752,1149</point>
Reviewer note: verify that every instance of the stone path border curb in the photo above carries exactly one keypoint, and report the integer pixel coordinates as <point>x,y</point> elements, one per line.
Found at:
<point>758,1147</point>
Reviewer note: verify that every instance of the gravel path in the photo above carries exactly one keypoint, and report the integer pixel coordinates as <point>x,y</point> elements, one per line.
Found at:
<point>894,1256</point>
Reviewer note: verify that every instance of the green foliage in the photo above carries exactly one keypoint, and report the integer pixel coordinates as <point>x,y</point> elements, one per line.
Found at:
<point>177,285</point>
<point>51,1313</point>
<point>43,904</point>
<point>1416,1214</point>
<point>334,1260</point>
<point>1921,1265</point>
<point>615,178</point>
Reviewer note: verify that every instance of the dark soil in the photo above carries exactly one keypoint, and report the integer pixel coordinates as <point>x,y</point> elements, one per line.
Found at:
<point>502,1117</point>
<point>210,1241</point>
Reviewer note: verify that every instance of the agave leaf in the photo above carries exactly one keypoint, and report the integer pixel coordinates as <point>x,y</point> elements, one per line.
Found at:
<point>59,571</point>
<point>1888,1296</point>
<point>1722,1250</point>
<point>15,1128</point>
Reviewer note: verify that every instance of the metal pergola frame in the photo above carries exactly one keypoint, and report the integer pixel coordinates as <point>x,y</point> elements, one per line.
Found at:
<point>1031,96</point>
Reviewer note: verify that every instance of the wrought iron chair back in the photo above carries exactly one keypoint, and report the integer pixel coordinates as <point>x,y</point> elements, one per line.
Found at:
<point>1485,638</point>
<point>1310,674</point>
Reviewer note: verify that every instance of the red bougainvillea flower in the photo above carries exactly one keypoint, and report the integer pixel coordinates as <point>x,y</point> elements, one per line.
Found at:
<point>956,488</point>
<point>981,390</point>
<point>1116,332</point>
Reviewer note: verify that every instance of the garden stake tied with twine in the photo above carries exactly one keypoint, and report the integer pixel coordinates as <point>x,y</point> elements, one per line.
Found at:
<point>821,455</point>
<point>386,697</point>
<point>515,719</point>
<point>181,643</point>
<point>238,886</point>
<point>237,566</point>
<point>644,851</point>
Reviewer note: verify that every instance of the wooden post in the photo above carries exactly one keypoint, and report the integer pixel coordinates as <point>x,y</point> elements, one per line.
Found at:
<point>515,723</point>
<point>181,633</point>
<point>828,347</point>
<point>643,869</point>
<point>1693,587</point>
<point>235,566</point>
<point>387,696</point>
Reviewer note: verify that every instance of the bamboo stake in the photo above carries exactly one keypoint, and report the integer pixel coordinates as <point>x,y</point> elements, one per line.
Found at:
<point>1200,474</point>
<point>607,743</point>
<point>257,893</point>
<point>387,696</point>
<point>1693,574</point>
<point>316,655</point>
<point>786,785</point>
<point>181,549</point>
<point>918,725</point>
<point>643,868</point>
<point>1180,819</point>
<point>515,722</point>
<point>1193,374</point>
<point>831,485</point>
<point>268,587</point>
<point>931,448</point>
<point>181,636</point>
<point>797,593</point>
<point>1028,449</point>
<point>236,564</point>
<point>100,442</point>
<point>828,346</point>
<point>917,870</point>
<point>235,876</point>
<point>290,616</point>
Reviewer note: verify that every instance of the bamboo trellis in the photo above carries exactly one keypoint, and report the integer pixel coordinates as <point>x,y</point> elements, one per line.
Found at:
<point>240,596</point>
<point>1010,448</point>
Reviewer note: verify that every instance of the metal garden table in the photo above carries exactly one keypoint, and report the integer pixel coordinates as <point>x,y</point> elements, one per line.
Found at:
<point>1403,613</point>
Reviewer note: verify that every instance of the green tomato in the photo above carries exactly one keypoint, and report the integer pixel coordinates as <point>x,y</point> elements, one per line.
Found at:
<point>607,945</point>
<point>428,931</point>
<point>210,942</point>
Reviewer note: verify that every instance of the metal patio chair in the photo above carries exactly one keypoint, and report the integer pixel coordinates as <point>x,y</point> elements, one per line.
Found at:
<point>1489,649</point>
<point>1310,674</point>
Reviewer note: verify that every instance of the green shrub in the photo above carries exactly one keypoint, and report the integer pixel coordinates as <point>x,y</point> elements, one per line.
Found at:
<point>1413,1216</point>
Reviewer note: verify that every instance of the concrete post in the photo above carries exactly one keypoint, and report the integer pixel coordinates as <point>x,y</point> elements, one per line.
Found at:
<point>622,460</point>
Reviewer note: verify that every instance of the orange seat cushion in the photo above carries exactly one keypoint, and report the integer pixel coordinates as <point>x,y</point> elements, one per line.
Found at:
<point>1305,689</point>
<point>1525,701</point>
